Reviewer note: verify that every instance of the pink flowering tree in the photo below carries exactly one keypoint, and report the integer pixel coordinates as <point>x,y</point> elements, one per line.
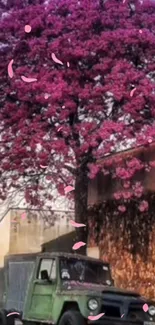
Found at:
<point>97,100</point>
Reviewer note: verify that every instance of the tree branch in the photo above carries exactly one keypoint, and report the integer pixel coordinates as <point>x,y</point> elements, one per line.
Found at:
<point>70,169</point>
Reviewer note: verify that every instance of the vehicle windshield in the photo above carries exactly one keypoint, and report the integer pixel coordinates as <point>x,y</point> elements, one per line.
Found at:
<point>72,269</point>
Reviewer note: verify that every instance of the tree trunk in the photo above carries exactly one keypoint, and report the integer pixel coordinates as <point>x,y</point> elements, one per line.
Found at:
<point>81,193</point>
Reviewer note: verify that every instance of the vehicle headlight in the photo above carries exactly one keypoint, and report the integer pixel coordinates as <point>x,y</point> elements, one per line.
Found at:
<point>151,310</point>
<point>92,304</point>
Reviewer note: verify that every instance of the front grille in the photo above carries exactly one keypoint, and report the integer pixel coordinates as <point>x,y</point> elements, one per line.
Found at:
<point>111,311</point>
<point>136,313</point>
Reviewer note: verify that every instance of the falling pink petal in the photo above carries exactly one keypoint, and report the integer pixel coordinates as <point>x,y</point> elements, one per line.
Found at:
<point>43,166</point>
<point>132,92</point>
<point>60,128</point>
<point>95,317</point>
<point>145,307</point>
<point>13,313</point>
<point>27,28</point>
<point>55,59</point>
<point>23,216</point>
<point>12,221</point>
<point>28,79</point>
<point>122,315</point>
<point>10,70</point>
<point>77,225</point>
<point>69,189</point>
<point>140,31</point>
<point>78,245</point>
<point>68,64</point>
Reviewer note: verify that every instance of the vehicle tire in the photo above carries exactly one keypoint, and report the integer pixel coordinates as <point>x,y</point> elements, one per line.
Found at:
<point>3,319</point>
<point>72,317</point>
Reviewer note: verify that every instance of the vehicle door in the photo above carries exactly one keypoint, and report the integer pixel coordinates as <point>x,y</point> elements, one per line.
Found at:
<point>44,287</point>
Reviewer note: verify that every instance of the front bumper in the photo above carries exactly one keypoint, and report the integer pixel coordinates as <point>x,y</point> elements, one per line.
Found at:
<point>106,321</point>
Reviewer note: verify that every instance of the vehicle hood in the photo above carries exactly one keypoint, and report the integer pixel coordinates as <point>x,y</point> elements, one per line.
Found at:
<point>98,289</point>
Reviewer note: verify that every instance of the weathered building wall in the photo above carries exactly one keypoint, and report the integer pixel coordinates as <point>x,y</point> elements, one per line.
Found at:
<point>29,233</point>
<point>26,234</point>
<point>4,237</point>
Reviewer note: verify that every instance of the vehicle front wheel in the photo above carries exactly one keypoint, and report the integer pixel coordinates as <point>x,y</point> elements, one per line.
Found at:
<point>3,320</point>
<point>72,317</point>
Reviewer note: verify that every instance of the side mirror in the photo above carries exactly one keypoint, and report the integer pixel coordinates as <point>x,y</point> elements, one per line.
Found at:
<point>44,275</point>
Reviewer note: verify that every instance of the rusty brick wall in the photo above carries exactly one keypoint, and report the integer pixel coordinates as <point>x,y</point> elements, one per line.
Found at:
<point>127,273</point>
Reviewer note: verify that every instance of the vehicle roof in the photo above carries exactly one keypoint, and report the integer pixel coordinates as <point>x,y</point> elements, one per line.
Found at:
<point>20,257</point>
<point>33,256</point>
<point>69,255</point>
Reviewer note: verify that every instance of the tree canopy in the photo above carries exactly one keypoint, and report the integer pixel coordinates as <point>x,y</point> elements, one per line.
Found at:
<point>97,100</point>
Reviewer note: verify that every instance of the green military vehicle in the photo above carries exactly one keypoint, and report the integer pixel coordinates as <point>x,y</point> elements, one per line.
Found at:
<point>66,289</point>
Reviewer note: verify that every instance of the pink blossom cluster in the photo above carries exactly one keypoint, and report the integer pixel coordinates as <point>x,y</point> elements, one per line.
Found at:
<point>74,115</point>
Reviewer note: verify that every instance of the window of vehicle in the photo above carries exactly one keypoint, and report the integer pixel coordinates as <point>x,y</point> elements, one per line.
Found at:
<point>48,265</point>
<point>72,269</point>
<point>53,271</point>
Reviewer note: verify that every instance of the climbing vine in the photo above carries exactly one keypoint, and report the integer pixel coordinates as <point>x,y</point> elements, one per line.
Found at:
<point>132,225</point>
